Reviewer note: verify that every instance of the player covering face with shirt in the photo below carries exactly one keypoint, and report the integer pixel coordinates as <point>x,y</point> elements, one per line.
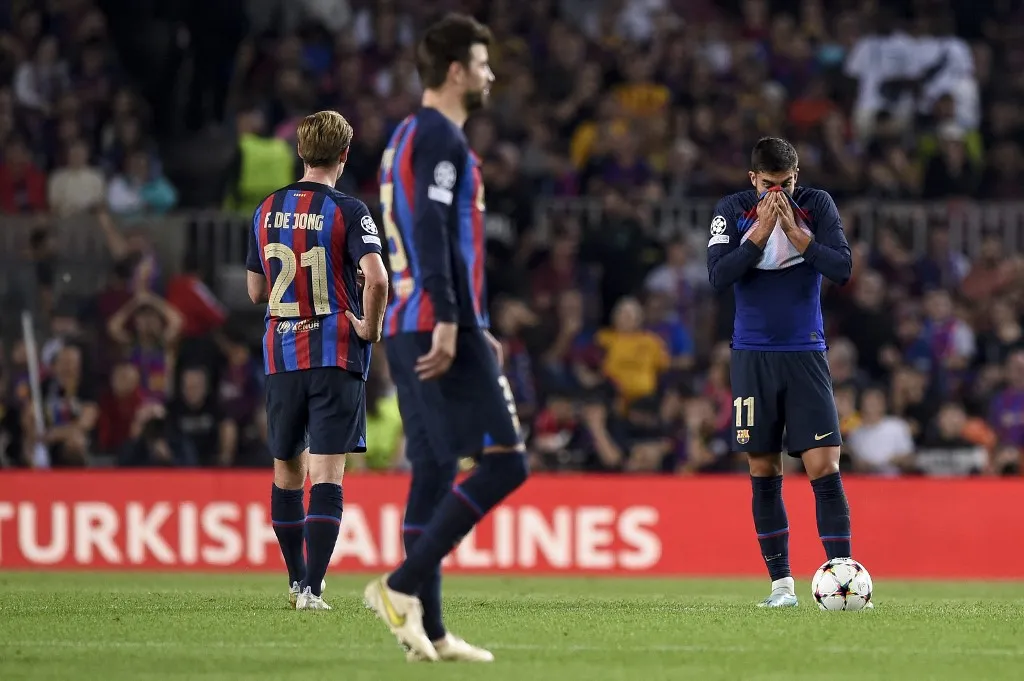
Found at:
<point>772,245</point>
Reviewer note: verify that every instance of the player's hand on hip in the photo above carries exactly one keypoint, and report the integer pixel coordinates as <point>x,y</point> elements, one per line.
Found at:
<point>363,328</point>
<point>496,348</point>
<point>442,352</point>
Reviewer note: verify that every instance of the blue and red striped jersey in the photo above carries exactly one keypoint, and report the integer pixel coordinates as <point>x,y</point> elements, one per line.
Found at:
<point>432,201</point>
<point>778,289</point>
<point>307,239</point>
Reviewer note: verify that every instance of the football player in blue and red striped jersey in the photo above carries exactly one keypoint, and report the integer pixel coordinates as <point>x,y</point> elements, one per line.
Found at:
<point>307,244</point>
<point>455,402</point>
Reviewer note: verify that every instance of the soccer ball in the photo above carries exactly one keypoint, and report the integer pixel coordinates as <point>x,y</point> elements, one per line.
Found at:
<point>841,584</point>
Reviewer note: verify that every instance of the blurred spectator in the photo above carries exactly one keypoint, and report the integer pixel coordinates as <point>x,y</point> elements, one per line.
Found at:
<point>511,319</point>
<point>880,444</point>
<point>137,191</point>
<point>955,445</point>
<point>22,183</point>
<point>196,417</point>
<point>950,339</point>
<point>557,437</point>
<point>39,82</point>
<point>913,399</point>
<point>993,272</point>
<point>131,251</point>
<point>661,320</point>
<point>634,359</point>
<point>1004,336</point>
<point>119,405</point>
<point>146,327</point>
<point>1007,415</point>
<point>65,330</point>
<point>682,279</point>
<point>262,164</point>
<point>951,173</point>
<point>843,363</point>
<point>708,447</point>
<point>942,266</point>
<point>241,382</point>
<point>76,187</point>
<point>70,410</point>
<point>868,323</point>
<point>154,444</point>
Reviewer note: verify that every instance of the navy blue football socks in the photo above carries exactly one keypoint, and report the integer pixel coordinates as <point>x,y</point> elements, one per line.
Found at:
<point>771,524</point>
<point>833,513</point>
<point>496,477</point>
<point>431,482</point>
<point>322,525</point>
<point>288,516</point>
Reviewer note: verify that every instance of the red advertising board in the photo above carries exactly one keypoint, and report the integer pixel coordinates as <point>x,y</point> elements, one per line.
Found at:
<point>211,520</point>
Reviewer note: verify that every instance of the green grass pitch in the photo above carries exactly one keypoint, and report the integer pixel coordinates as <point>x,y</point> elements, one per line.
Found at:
<point>142,627</point>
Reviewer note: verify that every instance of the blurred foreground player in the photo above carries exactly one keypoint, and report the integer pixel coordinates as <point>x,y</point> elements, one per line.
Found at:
<point>306,244</point>
<point>446,365</point>
<point>773,244</point>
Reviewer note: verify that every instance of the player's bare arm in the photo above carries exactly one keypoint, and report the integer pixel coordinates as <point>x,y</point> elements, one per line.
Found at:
<point>256,284</point>
<point>375,299</point>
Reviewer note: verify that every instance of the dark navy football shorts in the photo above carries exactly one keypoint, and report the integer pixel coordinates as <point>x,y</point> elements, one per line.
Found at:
<point>782,400</point>
<point>465,411</point>
<point>322,408</point>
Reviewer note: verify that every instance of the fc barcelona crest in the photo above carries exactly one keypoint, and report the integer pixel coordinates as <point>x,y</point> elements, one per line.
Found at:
<point>743,436</point>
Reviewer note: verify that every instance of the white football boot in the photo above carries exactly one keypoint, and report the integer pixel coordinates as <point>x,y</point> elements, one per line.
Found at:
<point>783,595</point>
<point>307,600</point>
<point>454,649</point>
<point>295,590</point>
<point>403,614</point>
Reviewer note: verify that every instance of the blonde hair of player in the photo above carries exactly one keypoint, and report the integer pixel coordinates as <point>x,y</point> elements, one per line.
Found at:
<point>324,139</point>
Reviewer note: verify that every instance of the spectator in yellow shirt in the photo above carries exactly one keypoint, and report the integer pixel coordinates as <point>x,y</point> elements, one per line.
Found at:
<point>634,358</point>
<point>640,96</point>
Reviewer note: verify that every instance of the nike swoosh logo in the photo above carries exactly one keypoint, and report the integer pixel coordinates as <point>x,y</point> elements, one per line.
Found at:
<point>396,620</point>
<point>822,437</point>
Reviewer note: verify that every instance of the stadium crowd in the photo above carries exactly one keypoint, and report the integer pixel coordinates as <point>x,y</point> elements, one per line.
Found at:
<point>615,348</point>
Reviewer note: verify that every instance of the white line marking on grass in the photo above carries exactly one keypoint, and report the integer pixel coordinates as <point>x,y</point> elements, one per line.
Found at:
<point>527,647</point>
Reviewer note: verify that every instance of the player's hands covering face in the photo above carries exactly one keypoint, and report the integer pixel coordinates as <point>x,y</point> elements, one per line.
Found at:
<point>784,210</point>
<point>442,352</point>
<point>767,216</point>
<point>767,209</point>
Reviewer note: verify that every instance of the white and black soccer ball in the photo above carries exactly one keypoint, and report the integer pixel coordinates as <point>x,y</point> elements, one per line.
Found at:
<point>841,584</point>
